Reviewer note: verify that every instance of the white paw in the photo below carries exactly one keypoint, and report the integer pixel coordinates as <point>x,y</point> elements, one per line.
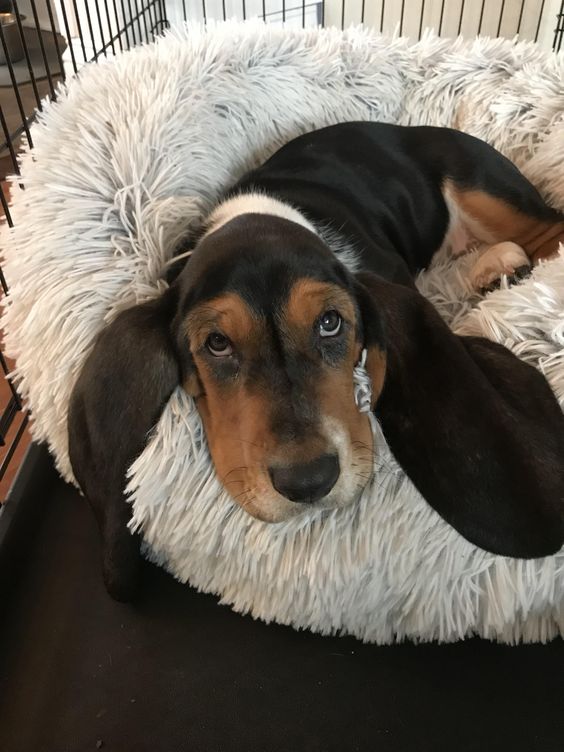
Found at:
<point>502,258</point>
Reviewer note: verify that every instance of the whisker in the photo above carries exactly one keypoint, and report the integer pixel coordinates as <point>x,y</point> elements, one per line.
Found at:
<point>249,501</point>
<point>363,476</point>
<point>245,441</point>
<point>242,467</point>
<point>246,491</point>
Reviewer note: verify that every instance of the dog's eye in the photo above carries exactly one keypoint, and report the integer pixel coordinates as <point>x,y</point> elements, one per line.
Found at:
<point>219,345</point>
<point>330,324</point>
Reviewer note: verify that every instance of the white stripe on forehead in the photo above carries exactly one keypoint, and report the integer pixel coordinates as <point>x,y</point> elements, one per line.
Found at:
<point>254,203</point>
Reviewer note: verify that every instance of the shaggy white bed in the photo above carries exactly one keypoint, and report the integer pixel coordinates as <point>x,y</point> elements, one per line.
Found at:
<point>126,163</point>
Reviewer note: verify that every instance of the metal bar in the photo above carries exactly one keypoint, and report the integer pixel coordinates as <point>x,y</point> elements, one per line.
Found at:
<point>292,8</point>
<point>401,17</point>
<point>303,14</point>
<point>125,27</point>
<point>42,48</point>
<point>323,13</point>
<point>55,37</point>
<point>500,18</point>
<point>382,16</point>
<point>204,11</point>
<point>26,53</point>
<point>15,395</point>
<point>441,17</point>
<point>90,29</point>
<point>520,16</point>
<point>13,446</point>
<point>164,23</point>
<point>68,33</point>
<point>142,15</point>
<point>7,418</point>
<point>558,32</point>
<point>6,210</point>
<point>109,25</point>
<point>224,13</point>
<point>138,19</point>
<point>107,46</point>
<point>283,10</point>
<point>362,12</point>
<point>244,10</point>
<point>481,16</point>
<point>9,144</point>
<point>461,17</point>
<point>540,19</point>
<point>99,18</point>
<point>421,19</point>
<point>118,25</point>
<point>79,27</point>
<point>3,278</point>
<point>15,86</point>
<point>18,132</point>
<point>153,22</point>
<point>131,22</point>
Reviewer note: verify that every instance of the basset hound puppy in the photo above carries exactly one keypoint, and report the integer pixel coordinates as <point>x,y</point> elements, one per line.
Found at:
<point>304,264</point>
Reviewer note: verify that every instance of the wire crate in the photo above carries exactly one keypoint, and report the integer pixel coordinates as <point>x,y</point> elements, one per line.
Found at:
<point>43,42</point>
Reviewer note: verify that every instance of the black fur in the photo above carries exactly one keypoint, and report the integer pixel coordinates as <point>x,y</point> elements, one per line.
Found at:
<point>478,431</point>
<point>380,185</point>
<point>120,393</point>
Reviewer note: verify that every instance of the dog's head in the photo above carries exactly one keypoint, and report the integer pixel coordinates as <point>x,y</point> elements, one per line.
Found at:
<point>263,328</point>
<point>268,330</point>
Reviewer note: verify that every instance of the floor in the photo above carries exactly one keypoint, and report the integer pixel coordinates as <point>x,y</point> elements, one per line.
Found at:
<point>179,672</point>
<point>5,395</point>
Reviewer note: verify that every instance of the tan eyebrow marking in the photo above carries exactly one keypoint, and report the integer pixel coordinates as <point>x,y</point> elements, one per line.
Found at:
<point>309,298</point>
<point>228,312</point>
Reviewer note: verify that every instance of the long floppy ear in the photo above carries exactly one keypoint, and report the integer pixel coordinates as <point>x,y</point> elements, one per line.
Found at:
<point>118,397</point>
<point>478,431</point>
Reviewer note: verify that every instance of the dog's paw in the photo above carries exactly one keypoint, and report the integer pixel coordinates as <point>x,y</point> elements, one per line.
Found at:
<point>518,275</point>
<point>499,260</point>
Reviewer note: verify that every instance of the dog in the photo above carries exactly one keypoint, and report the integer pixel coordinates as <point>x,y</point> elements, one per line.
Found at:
<point>306,266</point>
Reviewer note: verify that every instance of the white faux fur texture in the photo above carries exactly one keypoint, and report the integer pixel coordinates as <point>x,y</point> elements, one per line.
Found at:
<point>126,164</point>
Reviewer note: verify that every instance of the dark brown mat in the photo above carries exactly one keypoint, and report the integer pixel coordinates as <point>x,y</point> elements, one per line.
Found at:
<point>178,672</point>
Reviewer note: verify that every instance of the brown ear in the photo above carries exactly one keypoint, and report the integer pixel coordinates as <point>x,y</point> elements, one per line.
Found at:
<point>478,431</point>
<point>372,336</point>
<point>376,368</point>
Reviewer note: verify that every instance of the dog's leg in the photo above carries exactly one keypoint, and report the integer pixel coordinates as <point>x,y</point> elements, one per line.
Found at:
<point>502,258</point>
<point>518,238</point>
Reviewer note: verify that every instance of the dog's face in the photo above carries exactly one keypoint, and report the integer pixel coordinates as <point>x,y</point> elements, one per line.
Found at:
<point>269,330</point>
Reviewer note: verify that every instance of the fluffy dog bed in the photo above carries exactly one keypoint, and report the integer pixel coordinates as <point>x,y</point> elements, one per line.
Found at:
<point>126,163</point>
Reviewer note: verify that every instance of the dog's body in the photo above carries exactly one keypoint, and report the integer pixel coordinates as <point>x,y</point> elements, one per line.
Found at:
<point>398,195</point>
<point>265,324</point>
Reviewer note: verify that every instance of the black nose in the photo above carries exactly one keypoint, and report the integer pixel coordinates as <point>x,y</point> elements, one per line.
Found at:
<point>308,482</point>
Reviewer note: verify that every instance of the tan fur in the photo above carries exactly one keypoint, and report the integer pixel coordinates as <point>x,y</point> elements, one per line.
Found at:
<point>238,417</point>
<point>309,298</point>
<point>335,393</point>
<point>376,367</point>
<point>236,421</point>
<point>229,313</point>
<point>493,220</point>
<point>499,259</point>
